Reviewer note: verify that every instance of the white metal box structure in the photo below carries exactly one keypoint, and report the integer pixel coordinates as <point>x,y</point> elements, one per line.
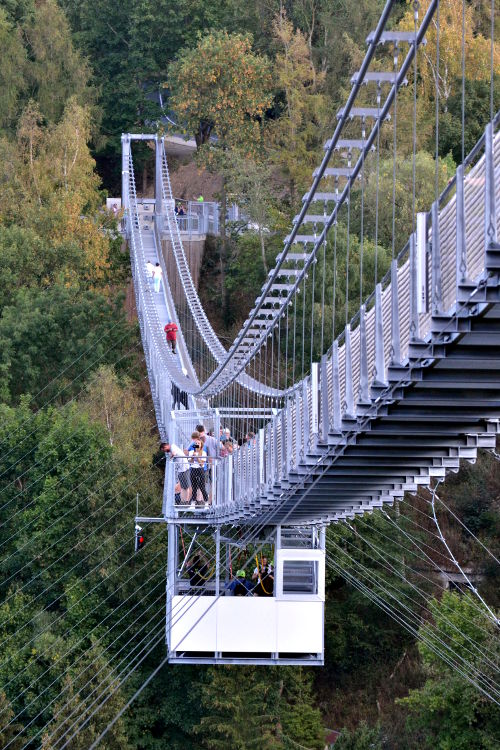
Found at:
<point>285,628</point>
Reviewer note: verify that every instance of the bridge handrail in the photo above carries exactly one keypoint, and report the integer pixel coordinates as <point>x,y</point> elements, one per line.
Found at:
<point>162,366</point>
<point>304,420</point>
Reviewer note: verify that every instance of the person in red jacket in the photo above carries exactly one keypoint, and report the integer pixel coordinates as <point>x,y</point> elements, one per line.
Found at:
<point>171,331</point>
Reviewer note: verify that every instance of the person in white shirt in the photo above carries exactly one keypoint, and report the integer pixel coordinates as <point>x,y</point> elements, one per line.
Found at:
<point>157,274</point>
<point>150,269</point>
<point>182,466</point>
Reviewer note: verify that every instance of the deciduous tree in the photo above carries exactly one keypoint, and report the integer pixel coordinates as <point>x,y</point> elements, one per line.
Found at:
<point>221,88</point>
<point>12,70</point>
<point>448,75</point>
<point>449,712</point>
<point>296,134</point>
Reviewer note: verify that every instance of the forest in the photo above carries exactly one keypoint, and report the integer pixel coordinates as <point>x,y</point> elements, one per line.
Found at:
<point>77,424</point>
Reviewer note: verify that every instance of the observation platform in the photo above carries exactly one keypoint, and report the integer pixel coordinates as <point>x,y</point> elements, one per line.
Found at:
<point>206,624</point>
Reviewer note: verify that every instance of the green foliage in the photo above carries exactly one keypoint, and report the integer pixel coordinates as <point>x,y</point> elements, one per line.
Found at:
<point>363,737</point>
<point>477,115</point>
<point>130,48</point>
<point>425,169</point>
<point>57,71</point>
<point>10,731</point>
<point>39,62</point>
<point>249,183</point>
<point>300,719</point>
<point>75,720</point>
<point>12,65</point>
<point>248,707</point>
<point>221,87</point>
<point>66,496</point>
<point>27,261</point>
<point>59,330</point>
<point>72,593</point>
<point>168,710</point>
<point>296,136</point>
<point>246,272</point>
<point>448,712</point>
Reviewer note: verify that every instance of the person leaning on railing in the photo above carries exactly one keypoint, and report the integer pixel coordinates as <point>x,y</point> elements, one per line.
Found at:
<point>181,468</point>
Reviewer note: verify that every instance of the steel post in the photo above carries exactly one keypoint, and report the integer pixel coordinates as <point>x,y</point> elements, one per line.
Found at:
<point>490,221</point>
<point>363,395</point>
<point>349,394</point>
<point>437,290</point>
<point>461,258</point>
<point>324,399</point>
<point>395,334</point>
<point>125,171</point>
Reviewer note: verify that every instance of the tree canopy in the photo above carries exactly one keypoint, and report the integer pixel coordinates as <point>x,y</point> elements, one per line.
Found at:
<point>220,87</point>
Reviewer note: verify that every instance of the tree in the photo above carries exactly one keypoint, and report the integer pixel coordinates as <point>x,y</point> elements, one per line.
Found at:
<point>57,185</point>
<point>247,708</point>
<point>221,87</point>
<point>26,261</point>
<point>9,732</point>
<point>249,180</point>
<point>300,720</point>
<point>425,168</point>
<point>57,71</point>
<point>92,700</point>
<point>297,133</point>
<point>477,115</point>
<point>240,710</point>
<point>128,428</point>
<point>12,70</point>
<point>448,711</point>
<point>363,737</point>
<point>448,77</point>
<point>59,330</point>
<point>130,50</point>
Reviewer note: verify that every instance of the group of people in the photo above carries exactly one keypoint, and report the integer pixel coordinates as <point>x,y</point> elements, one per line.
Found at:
<point>193,468</point>
<point>155,275</point>
<point>228,444</point>
<point>261,583</point>
<point>195,464</point>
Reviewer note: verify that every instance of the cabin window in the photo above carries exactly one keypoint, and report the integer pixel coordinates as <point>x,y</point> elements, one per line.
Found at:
<point>300,577</point>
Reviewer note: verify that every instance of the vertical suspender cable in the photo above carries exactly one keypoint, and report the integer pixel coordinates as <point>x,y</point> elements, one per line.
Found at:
<point>492,61</point>
<point>436,185</point>
<point>414,134</point>
<point>394,153</point>
<point>304,299</point>
<point>377,180</point>
<point>463,81</point>
<point>334,287</point>
<point>312,309</point>
<point>322,347</point>
<point>362,228</point>
<point>347,257</point>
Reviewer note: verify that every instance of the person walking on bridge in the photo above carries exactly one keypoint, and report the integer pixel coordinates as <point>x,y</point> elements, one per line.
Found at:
<point>150,269</point>
<point>157,274</point>
<point>171,331</point>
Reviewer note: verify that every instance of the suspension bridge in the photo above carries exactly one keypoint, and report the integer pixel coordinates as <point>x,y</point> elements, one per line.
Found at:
<point>362,374</point>
<point>409,388</point>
